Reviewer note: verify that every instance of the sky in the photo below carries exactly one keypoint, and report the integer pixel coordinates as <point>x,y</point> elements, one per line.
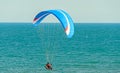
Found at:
<point>80,10</point>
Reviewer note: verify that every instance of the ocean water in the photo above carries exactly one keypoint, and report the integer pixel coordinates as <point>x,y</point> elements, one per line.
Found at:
<point>94,48</point>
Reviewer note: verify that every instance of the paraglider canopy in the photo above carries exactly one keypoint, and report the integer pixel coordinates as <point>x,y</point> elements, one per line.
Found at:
<point>62,16</point>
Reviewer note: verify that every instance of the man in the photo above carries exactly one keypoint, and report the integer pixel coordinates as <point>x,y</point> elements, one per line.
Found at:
<point>48,66</point>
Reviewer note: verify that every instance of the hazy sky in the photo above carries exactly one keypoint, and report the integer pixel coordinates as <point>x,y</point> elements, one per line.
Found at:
<point>80,10</point>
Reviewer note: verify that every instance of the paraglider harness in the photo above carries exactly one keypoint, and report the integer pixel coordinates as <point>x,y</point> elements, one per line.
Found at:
<point>48,66</point>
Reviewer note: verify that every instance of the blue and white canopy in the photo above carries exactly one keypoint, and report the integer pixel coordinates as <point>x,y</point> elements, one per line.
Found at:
<point>62,16</point>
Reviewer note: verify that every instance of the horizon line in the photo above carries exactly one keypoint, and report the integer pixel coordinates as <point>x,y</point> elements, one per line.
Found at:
<point>74,22</point>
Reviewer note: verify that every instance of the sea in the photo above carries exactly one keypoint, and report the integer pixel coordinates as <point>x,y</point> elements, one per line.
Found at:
<point>25,48</point>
